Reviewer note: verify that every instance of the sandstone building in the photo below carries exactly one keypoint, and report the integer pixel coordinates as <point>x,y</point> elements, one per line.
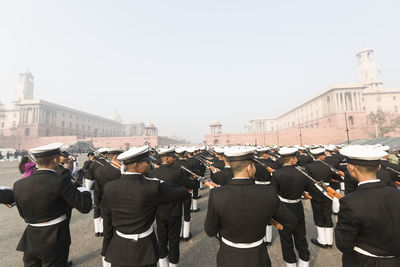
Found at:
<point>326,117</point>
<point>29,121</point>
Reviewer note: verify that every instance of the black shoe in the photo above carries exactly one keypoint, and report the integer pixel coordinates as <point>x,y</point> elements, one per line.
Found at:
<point>186,239</point>
<point>97,234</point>
<point>69,264</point>
<point>268,244</point>
<point>315,242</point>
<point>195,210</point>
<point>101,234</point>
<point>329,246</point>
<point>197,197</point>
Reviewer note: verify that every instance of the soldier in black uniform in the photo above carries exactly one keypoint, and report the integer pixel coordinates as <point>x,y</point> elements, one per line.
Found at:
<point>218,160</point>
<point>263,177</point>
<point>185,229</point>
<point>99,161</point>
<point>322,205</point>
<point>368,227</point>
<point>225,175</point>
<point>103,175</point>
<point>6,195</point>
<point>43,201</point>
<point>239,212</point>
<point>290,184</point>
<point>129,210</point>
<point>169,216</point>
<point>88,166</point>
<point>196,167</point>
<point>61,170</point>
<point>303,158</point>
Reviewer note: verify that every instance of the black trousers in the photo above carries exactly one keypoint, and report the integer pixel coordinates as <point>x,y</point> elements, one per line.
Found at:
<point>168,233</point>
<point>322,213</point>
<point>96,212</point>
<point>195,193</point>
<point>186,209</point>
<point>297,235</point>
<point>57,259</point>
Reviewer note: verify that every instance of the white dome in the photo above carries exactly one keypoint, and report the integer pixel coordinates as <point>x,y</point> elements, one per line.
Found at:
<point>215,123</point>
<point>365,49</point>
<point>115,116</point>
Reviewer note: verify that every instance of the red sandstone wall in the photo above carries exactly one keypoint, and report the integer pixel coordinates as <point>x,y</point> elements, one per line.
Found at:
<point>124,142</point>
<point>327,130</point>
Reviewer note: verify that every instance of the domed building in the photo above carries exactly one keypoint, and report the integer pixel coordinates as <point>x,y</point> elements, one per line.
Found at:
<point>332,116</point>
<point>30,122</point>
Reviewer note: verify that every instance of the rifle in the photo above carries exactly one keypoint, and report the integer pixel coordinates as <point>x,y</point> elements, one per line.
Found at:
<point>212,185</point>
<point>112,162</point>
<point>340,173</point>
<point>207,165</point>
<point>397,172</point>
<point>201,179</point>
<point>270,170</point>
<point>328,191</point>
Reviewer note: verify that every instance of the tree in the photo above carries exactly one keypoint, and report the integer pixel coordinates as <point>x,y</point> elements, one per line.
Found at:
<point>384,122</point>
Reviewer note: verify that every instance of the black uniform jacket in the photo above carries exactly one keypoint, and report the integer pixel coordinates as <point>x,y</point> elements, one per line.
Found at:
<point>239,212</point>
<point>223,177</point>
<point>369,218</point>
<point>304,159</point>
<point>6,196</point>
<point>173,176</point>
<point>332,161</point>
<point>42,197</point>
<point>88,169</point>
<point>321,172</point>
<point>103,175</point>
<point>219,164</point>
<point>385,177</point>
<point>129,206</point>
<point>290,183</point>
<point>262,173</point>
<point>393,175</point>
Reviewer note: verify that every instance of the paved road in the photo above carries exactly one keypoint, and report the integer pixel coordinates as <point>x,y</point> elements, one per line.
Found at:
<point>85,250</point>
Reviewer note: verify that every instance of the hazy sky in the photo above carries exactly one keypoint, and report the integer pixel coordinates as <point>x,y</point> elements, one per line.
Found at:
<point>182,64</point>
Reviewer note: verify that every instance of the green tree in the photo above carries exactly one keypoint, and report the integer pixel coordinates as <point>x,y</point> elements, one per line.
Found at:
<point>384,122</point>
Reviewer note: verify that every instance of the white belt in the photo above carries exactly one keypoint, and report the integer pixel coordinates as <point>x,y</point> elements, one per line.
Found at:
<point>366,253</point>
<point>262,182</point>
<point>136,237</point>
<point>289,200</point>
<point>243,245</point>
<point>52,222</point>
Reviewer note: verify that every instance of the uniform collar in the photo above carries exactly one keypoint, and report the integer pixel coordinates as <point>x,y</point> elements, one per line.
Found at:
<point>243,181</point>
<point>369,181</point>
<point>51,170</point>
<point>132,175</point>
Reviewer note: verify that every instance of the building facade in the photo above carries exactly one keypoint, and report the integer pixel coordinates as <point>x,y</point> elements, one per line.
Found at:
<point>30,121</point>
<point>334,115</point>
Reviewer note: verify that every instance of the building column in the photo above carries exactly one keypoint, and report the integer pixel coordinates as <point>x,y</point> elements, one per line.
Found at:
<point>353,102</point>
